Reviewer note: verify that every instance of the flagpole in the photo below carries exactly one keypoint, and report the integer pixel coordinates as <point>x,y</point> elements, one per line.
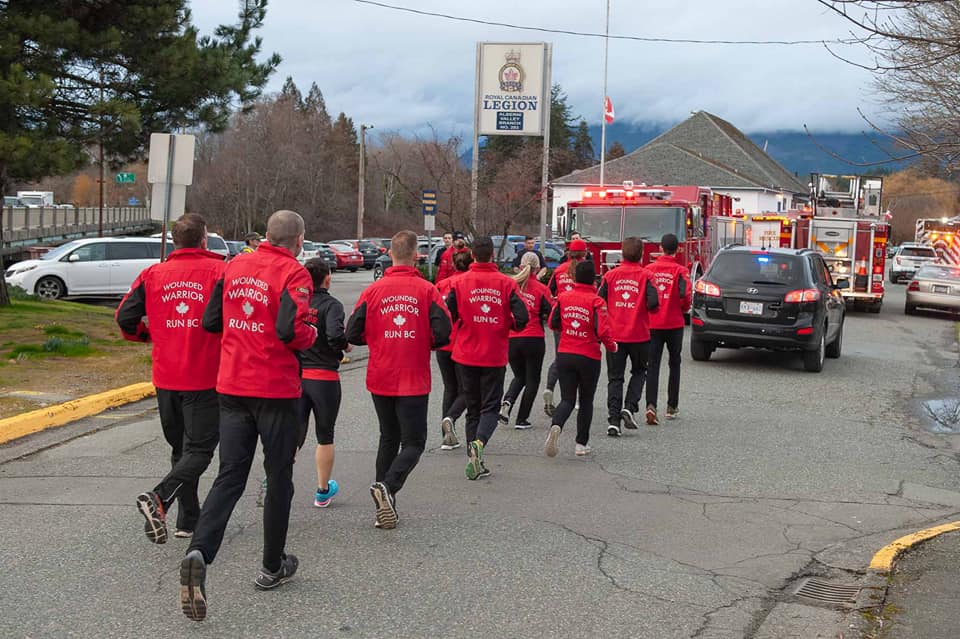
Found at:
<point>603,111</point>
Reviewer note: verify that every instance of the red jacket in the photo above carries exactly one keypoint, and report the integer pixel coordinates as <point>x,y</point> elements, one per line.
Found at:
<point>172,296</point>
<point>561,281</point>
<point>401,318</point>
<point>629,293</point>
<point>581,317</point>
<point>262,306</point>
<point>672,282</point>
<point>446,264</point>
<point>443,287</point>
<point>536,297</point>
<point>486,306</point>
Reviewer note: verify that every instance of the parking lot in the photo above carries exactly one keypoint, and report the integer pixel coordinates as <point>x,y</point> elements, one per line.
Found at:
<point>695,528</point>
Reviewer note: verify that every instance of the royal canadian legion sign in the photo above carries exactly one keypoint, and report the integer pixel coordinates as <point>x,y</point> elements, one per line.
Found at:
<point>512,83</point>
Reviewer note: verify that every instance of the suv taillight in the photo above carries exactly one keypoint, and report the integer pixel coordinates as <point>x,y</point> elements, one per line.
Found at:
<point>707,288</point>
<point>802,295</point>
<point>913,286</point>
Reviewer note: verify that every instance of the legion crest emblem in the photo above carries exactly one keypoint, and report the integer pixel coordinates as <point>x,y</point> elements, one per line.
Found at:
<point>511,74</point>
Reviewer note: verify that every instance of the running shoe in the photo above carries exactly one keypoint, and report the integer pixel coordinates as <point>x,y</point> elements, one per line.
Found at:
<point>613,430</point>
<point>582,449</point>
<point>322,499</point>
<point>450,440</point>
<point>550,449</point>
<point>155,524</point>
<point>475,468</point>
<point>386,509</point>
<point>548,406</point>
<point>267,580</point>
<point>652,416</point>
<point>505,407</point>
<point>522,424</point>
<point>183,534</point>
<point>629,421</point>
<point>672,412</point>
<point>193,593</point>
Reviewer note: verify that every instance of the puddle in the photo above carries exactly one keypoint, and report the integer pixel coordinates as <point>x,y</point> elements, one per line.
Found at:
<point>944,415</point>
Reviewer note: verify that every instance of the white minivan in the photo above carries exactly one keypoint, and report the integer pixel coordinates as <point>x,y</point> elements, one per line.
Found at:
<point>93,266</point>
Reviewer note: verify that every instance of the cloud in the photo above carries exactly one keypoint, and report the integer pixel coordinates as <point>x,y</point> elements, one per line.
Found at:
<point>406,72</point>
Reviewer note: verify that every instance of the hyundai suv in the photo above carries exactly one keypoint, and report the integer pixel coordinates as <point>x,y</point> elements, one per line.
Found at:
<point>908,260</point>
<point>779,299</point>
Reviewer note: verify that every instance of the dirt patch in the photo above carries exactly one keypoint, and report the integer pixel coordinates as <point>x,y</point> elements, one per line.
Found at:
<point>63,350</point>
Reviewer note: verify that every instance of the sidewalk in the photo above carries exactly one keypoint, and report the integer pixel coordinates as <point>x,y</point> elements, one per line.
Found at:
<point>923,593</point>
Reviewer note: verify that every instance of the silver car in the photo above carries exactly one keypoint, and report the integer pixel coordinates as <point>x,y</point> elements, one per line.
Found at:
<point>935,286</point>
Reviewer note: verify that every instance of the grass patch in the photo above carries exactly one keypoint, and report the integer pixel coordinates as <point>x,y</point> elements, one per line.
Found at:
<point>62,331</point>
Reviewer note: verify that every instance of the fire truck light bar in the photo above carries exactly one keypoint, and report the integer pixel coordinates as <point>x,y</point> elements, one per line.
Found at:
<point>659,194</point>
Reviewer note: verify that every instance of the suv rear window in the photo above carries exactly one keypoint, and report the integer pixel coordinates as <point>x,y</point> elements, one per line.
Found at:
<point>366,245</point>
<point>732,269</point>
<point>917,251</point>
<point>215,243</point>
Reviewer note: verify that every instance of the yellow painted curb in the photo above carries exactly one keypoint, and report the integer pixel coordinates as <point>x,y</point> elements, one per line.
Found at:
<point>35,421</point>
<point>883,560</point>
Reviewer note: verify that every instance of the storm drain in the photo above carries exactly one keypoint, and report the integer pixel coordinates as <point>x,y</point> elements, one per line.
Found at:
<point>825,592</point>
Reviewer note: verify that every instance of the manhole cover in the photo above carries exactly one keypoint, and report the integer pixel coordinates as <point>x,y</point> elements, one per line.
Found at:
<point>840,595</point>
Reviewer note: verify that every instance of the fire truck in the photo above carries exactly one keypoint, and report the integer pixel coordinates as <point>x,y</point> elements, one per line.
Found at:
<point>848,228</point>
<point>943,234</point>
<point>701,220</point>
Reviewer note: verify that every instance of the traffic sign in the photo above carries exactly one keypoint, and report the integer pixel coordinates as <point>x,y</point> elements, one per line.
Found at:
<point>428,200</point>
<point>126,178</point>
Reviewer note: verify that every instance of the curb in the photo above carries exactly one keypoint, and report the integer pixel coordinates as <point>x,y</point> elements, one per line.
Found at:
<point>35,421</point>
<point>885,558</point>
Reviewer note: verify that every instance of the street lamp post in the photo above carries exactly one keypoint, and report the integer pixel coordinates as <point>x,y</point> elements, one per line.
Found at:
<point>362,179</point>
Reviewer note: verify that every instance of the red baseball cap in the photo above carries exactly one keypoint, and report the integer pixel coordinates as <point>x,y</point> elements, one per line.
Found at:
<point>577,245</point>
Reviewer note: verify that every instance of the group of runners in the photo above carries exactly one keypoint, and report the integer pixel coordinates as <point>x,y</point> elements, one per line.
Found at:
<point>265,341</point>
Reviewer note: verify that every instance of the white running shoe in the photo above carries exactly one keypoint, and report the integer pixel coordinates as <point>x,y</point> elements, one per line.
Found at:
<point>450,440</point>
<point>505,407</point>
<point>551,448</point>
<point>582,449</point>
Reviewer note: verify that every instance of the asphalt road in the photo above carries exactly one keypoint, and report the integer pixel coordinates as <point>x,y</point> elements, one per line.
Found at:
<point>696,528</point>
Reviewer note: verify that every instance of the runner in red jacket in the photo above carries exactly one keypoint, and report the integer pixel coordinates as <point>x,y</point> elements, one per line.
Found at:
<point>630,294</point>
<point>400,317</point>
<point>527,346</point>
<point>672,282</point>
<point>486,306</point>
<point>561,281</point>
<point>581,317</point>
<point>453,404</point>
<point>446,268</point>
<point>262,307</point>
<point>171,296</point>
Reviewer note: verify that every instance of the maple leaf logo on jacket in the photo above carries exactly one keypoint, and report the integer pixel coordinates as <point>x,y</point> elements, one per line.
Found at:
<point>399,320</point>
<point>575,324</point>
<point>182,308</point>
<point>626,296</point>
<point>485,308</point>
<point>247,308</point>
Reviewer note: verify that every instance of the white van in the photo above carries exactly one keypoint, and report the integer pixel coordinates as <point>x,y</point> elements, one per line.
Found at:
<point>94,266</point>
<point>215,244</point>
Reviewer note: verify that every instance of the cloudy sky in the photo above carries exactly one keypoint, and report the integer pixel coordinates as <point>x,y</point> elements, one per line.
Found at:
<point>406,72</point>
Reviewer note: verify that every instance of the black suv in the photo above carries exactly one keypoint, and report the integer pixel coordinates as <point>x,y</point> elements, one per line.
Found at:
<point>781,299</point>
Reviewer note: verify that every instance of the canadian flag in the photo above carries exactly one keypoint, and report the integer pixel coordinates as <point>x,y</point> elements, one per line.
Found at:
<point>608,110</point>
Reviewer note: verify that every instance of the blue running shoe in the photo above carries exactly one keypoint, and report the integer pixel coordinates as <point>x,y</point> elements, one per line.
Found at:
<point>322,499</point>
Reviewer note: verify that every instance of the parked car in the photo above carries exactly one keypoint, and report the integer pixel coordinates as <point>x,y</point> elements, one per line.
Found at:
<point>367,249</point>
<point>234,246</point>
<point>382,243</point>
<point>327,254</point>
<point>780,299</point>
<point>11,200</point>
<point>215,244</point>
<point>347,257</point>
<point>935,286</point>
<point>385,261</point>
<point>308,252</point>
<point>909,259</point>
<point>504,250</point>
<point>93,266</point>
<point>552,254</point>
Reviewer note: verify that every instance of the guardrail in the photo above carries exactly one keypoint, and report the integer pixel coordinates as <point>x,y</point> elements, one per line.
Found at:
<point>24,227</point>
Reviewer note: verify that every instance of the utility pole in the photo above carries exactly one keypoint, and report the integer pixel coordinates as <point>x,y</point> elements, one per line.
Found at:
<point>100,223</point>
<point>362,179</point>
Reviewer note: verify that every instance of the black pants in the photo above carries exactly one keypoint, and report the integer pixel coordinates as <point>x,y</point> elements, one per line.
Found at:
<point>482,389</point>
<point>638,353</point>
<point>552,375</point>
<point>322,399</point>
<point>242,421</point>
<point>453,403</point>
<point>191,425</point>
<point>403,436</point>
<point>673,338</point>
<point>578,374</point>
<point>526,362</point>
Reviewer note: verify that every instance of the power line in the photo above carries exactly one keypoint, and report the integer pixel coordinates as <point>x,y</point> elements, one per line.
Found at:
<point>589,34</point>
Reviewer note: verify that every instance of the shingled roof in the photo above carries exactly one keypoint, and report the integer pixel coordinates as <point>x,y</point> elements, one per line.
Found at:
<point>703,150</point>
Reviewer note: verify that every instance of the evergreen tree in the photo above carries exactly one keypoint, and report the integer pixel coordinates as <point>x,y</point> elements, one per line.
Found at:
<point>583,154</point>
<point>615,151</point>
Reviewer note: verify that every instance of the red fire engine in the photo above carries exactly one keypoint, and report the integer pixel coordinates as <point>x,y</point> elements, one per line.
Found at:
<point>943,234</point>
<point>848,228</point>
<point>605,215</point>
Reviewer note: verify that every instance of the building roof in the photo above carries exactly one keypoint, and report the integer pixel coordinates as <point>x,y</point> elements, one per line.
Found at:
<point>703,150</point>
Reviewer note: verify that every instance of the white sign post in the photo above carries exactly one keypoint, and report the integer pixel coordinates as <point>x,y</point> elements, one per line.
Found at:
<point>512,98</point>
<point>170,171</point>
